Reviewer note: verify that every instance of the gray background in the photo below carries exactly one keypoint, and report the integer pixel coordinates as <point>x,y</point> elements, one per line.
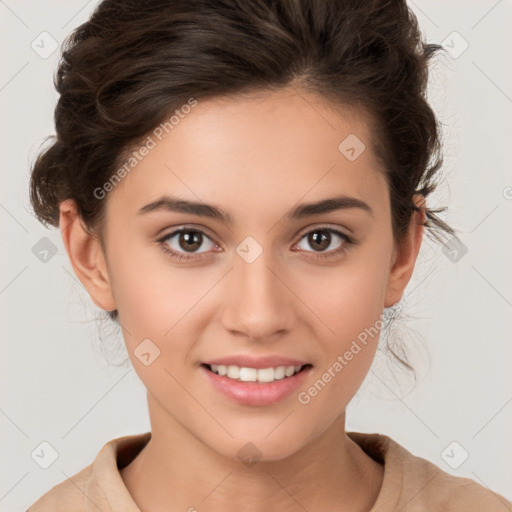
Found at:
<point>59,388</point>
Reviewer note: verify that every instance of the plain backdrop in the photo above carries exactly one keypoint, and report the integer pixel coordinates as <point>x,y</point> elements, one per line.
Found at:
<point>59,388</point>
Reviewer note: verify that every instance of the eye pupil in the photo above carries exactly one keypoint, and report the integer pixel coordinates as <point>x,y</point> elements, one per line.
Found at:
<point>320,238</point>
<point>193,240</point>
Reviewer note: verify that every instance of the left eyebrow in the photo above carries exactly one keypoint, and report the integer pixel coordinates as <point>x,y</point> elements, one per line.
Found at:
<point>327,206</point>
<point>174,204</point>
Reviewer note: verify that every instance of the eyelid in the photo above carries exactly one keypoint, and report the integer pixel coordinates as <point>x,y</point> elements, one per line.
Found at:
<point>325,227</point>
<point>347,241</point>
<point>184,227</point>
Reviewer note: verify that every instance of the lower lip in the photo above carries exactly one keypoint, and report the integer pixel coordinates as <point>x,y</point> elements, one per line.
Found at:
<point>256,393</point>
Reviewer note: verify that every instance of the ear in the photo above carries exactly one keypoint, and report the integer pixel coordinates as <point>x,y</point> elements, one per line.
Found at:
<point>405,254</point>
<point>86,256</point>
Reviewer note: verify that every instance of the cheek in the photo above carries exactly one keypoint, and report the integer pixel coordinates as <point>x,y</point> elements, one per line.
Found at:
<point>349,302</point>
<point>346,355</point>
<point>347,298</point>
<point>151,293</point>
<point>155,303</point>
<point>354,319</point>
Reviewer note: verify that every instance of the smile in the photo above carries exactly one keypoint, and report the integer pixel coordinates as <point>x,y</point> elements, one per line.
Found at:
<point>247,374</point>
<point>256,382</point>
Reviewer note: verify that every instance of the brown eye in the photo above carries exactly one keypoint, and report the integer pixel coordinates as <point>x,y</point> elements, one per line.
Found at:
<point>326,242</point>
<point>186,241</point>
<point>319,240</point>
<point>190,240</point>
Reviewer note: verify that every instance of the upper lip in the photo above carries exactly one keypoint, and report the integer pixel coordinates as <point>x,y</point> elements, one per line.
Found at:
<point>255,362</point>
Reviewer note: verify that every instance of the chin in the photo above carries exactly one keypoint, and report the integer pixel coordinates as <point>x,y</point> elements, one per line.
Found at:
<point>257,445</point>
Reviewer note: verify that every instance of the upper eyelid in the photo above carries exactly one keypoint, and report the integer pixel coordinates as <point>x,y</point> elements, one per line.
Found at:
<point>331,229</point>
<point>336,231</point>
<point>182,229</point>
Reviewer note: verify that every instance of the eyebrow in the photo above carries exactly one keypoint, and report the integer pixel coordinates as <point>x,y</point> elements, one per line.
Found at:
<point>173,204</point>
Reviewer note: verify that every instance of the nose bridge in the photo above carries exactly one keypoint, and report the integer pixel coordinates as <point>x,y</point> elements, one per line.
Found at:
<point>257,302</point>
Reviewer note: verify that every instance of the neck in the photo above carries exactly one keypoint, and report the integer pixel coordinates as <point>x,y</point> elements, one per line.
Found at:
<point>177,471</point>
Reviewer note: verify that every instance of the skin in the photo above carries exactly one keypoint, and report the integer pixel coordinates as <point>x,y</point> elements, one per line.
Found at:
<point>256,158</point>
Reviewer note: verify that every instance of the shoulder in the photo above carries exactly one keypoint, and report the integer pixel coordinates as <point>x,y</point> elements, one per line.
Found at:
<point>70,494</point>
<point>99,486</point>
<point>414,484</point>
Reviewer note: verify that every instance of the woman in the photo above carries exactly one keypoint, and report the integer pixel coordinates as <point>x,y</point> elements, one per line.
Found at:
<point>242,185</point>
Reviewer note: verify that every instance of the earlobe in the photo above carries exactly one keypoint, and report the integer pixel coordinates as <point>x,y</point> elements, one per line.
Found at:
<point>405,255</point>
<point>86,256</point>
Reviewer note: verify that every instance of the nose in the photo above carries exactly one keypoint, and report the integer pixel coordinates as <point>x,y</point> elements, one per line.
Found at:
<point>257,302</point>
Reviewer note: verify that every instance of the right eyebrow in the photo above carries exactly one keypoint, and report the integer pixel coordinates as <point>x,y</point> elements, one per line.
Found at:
<point>174,204</point>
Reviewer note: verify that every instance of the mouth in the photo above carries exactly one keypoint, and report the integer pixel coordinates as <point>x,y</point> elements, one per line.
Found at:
<point>269,383</point>
<point>259,375</point>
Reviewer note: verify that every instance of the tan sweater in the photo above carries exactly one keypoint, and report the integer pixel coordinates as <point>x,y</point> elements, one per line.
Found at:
<point>411,484</point>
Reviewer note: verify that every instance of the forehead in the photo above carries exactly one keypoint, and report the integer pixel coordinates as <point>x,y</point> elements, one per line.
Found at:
<point>257,151</point>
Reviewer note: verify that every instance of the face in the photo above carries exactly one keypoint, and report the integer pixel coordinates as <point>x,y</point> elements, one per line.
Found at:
<point>269,285</point>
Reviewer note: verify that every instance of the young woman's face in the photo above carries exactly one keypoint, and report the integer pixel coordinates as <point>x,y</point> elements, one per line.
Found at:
<point>273,284</point>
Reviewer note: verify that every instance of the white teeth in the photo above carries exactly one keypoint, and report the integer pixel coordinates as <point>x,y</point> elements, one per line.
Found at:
<point>289,371</point>
<point>279,372</point>
<point>246,374</point>
<point>233,372</point>
<point>266,375</point>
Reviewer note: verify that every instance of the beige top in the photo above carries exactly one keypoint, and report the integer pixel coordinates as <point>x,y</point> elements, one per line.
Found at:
<point>411,484</point>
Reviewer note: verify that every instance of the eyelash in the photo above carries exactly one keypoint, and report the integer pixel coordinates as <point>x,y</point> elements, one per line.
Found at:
<point>348,241</point>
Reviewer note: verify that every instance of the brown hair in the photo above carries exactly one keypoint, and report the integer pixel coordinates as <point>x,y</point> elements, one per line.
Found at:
<point>133,62</point>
